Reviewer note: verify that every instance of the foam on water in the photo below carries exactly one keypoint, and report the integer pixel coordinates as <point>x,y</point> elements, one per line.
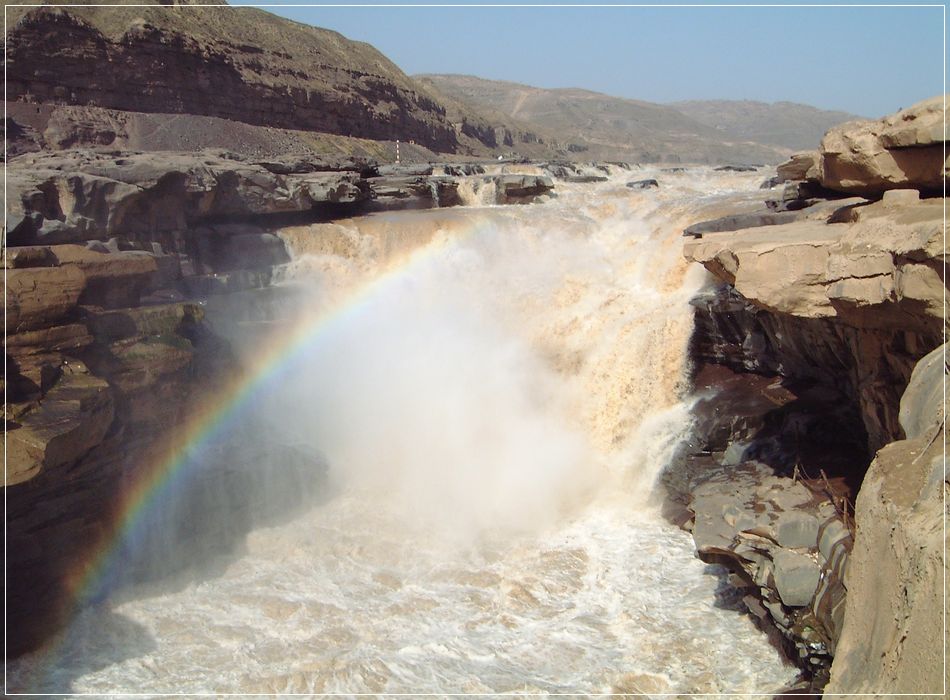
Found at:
<point>494,424</point>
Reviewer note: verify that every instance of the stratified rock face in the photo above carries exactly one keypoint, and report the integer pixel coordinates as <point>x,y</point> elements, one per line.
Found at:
<point>881,270</point>
<point>76,196</point>
<point>240,64</point>
<point>854,303</point>
<point>904,150</point>
<point>893,637</point>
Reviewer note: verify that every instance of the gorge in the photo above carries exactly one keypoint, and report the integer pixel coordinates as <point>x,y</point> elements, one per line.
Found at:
<point>289,417</point>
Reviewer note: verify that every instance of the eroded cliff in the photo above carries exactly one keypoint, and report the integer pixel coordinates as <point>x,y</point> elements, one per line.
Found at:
<point>851,304</point>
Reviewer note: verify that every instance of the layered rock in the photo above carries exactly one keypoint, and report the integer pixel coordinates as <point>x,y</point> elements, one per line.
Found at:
<point>848,303</point>
<point>239,64</point>
<point>854,304</point>
<point>903,150</point>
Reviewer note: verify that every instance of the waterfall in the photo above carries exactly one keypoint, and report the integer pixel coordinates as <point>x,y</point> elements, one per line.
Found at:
<point>493,392</point>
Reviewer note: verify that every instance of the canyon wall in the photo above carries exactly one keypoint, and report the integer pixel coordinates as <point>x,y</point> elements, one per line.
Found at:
<point>239,64</point>
<point>851,304</point>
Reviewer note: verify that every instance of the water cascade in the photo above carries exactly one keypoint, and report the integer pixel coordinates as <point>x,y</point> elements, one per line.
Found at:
<point>486,396</point>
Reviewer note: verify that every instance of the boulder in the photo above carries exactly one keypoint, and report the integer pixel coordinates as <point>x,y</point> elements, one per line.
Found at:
<point>801,166</point>
<point>904,150</point>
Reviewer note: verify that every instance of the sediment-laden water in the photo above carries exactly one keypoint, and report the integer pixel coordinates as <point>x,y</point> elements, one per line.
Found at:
<point>493,392</point>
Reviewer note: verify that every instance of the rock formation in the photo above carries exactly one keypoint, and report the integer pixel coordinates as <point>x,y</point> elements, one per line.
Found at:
<point>845,296</point>
<point>241,64</point>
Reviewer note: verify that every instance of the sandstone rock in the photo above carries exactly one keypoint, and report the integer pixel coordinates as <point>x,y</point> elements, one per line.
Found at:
<point>922,405</point>
<point>797,530</point>
<point>876,271</point>
<point>904,150</point>
<point>38,297</point>
<point>893,638</point>
<point>801,166</point>
<point>519,187</point>
<point>75,196</point>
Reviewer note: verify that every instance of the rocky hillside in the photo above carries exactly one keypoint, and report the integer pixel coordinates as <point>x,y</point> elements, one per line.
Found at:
<point>599,127</point>
<point>784,124</point>
<point>239,64</point>
<point>837,287</point>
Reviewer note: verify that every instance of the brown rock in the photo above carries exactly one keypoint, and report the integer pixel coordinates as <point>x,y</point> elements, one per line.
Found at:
<point>72,418</point>
<point>38,297</point>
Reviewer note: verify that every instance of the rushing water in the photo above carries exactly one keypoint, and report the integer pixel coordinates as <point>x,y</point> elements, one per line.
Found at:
<point>494,391</point>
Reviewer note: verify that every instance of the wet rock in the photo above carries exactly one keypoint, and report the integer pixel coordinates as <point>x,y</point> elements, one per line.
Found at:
<point>642,184</point>
<point>585,179</point>
<point>737,168</point>
<point>517,187</point>
<point>796,577</point>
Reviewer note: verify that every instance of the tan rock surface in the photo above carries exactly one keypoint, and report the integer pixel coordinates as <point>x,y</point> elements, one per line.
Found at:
<point>902,150</point>
<point>881,270</point>
<point>893,637</point>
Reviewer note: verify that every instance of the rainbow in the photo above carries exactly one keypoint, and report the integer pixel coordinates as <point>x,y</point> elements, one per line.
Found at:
<point>156,482</point>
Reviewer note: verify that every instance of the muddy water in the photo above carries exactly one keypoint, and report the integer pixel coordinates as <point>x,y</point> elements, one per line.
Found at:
<point>494,391</point>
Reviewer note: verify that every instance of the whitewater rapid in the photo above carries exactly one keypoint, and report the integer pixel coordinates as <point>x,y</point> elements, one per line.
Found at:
<point>493,393</point>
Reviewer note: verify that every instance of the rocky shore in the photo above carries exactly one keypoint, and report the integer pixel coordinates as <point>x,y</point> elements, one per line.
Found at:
<point>823,489</point>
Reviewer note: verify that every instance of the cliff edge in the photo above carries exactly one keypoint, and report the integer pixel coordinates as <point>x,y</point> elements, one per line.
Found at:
<point>852,299</point>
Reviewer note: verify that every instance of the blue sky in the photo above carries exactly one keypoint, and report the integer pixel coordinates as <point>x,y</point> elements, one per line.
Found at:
<point>866,60</point>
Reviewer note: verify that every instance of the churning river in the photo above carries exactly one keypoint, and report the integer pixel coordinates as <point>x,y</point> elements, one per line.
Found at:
<point>489,394</point>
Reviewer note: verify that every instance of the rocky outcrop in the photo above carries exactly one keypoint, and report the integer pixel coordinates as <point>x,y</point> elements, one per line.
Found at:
<point>844,305</point>
<point>752,487</point>
<point>853,304</point>
<point>78,196</point>
<point>867,158</point>
<point>880,270</point>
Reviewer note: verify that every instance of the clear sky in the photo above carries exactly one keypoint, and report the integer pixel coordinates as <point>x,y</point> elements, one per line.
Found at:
<point>866,60</point>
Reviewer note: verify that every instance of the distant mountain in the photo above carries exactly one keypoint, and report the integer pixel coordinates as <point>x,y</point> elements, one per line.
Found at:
<point>788,124</point>
<point>180,76</point>
<point>601,127</point>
